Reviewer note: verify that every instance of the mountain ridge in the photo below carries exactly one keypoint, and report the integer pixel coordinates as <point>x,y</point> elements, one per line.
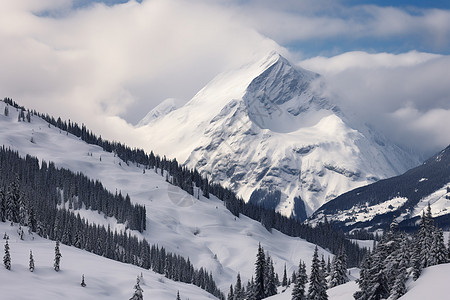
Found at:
<point>403,197</point>
<point>267,126</point>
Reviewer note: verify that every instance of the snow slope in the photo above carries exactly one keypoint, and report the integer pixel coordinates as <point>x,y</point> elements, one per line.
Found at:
<point>405,196</point>
<point>432,284</point>
<point>105,278</point>
<point>201,229</point>
<point>160,110</point>
<point>268,126</point>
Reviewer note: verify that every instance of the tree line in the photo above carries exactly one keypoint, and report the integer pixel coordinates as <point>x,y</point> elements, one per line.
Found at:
<point>323,235</point>
<point>397,257</point>
<point>33,194</point>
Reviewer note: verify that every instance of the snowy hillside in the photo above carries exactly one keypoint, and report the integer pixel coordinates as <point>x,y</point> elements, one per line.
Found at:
<point>405,196</point>
<point>267,127</point>
<point>104,278</point>
<point>432,283</point>
<point>201,229</point>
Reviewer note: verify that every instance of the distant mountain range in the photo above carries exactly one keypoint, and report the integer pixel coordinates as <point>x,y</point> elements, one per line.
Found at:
<point>267,131</point>
<point>403,198</point>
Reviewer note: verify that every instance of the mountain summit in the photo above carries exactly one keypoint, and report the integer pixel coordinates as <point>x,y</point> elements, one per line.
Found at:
<point>266,131</point>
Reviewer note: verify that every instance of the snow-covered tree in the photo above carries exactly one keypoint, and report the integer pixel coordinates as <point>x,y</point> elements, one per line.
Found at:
<point>57,259</point>
<point>31,266</point>
<point>339,269</point>
<point>439,253</point>
<point>83,284</point>
<point>238,289</point>
<point>138,292</point>
<point>298,292</point>
<point>7,257</point>
<point>178,295</point>
<point>259,290</point>
<point>317,283</point>
<point>270,286</point>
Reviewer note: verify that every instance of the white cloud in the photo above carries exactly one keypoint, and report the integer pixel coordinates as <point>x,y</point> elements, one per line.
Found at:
<point>101,61</point>
<point>107,66</point>
<point>407,96</point>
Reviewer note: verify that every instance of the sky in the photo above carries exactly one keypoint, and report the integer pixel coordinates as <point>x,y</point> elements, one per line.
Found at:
<point>107,63</point>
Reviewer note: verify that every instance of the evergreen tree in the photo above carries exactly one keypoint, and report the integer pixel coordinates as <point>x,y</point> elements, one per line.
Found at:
<point>31,266</point>
<point>270,287</point>
<point>323,266</point>
<point>285,280</point>
<point>83,284</point>
<point>6,111</point>
<point>138,292</point>
<point>238,289</point>
<point>259,290</point>
<point>58,256</point>
<point>7,257</point>
<point>230,293</point>
<point>339,270</point>
<point>178,295</point>
<point>439,252</point>
<point>317,284</point>
<point>298,292</point>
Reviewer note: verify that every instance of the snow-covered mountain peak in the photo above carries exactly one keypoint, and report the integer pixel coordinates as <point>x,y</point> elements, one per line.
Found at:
<point>267,126</point>
<point>283,98</point>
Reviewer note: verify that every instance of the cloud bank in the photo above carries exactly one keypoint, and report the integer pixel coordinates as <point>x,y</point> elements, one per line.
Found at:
<point>407,96</point>
<point>108,65</point>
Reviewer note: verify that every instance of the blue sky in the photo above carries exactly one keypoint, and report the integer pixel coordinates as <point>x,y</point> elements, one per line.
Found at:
<point>352,11</point>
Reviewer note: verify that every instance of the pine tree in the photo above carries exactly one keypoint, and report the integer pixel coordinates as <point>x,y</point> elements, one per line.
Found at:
<point>7,257</point>
<point>339,270</point>
<point>317,284</point>
<point>6,111</point>
<point>298,292</point>
<point>439,252</point>
<point>259,274</point>
<point>178,295</point>
<point>138,292</point>
<point>270,287</point>
<point>238,289</point>
<point>31,266</point>
<point>58,256</point>
<point>230,293</point>
<point>285,280</point>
